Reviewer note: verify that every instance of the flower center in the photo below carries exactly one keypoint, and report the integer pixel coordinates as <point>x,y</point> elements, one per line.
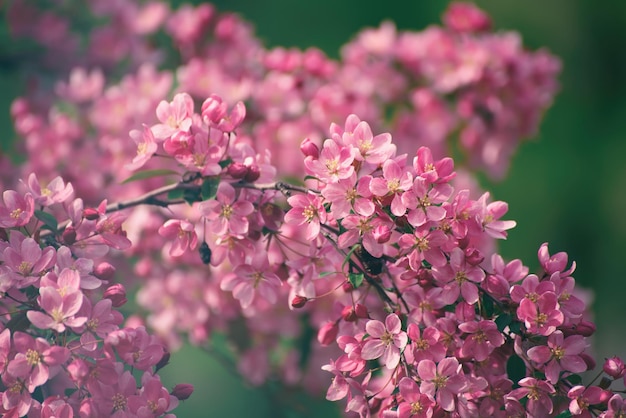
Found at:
<point>119,402</point>
<point>440,381</point>
<point>92,324</point>
<point>416,407</point>
<point>460,277</point>
<point>25,268</point>
<point>15,214</point>
<point>479,336</point>
<point>32,357</point>
<point>309,213</point>
<point>558,352</point>
<point>422,243</point>
<point>387,338</point>
<point>542,319</point>
<point>422,344</point>
<point>227,211</point>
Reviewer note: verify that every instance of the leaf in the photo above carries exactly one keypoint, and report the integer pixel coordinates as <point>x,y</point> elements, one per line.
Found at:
<point>502,321</point>
<point>209,188</point>
<point>225,163</point>
<point>176,194</point>
<point>356,279</point>
<point>515,368</point>
<point>349,255</point>
<point>148,174</point>
<point>49,220</point>
<point>488,305</point>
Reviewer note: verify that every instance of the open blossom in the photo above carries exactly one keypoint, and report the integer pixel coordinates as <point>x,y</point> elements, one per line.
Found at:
<point>372,149</point>
<point>306,210</point>
<point>214,113</point>
<point>146,147</point>
<point>226,213</point>
<point>541,316</point>
<point>483,338</point>
<point>443,381</point>
<point>334,162</point>
<point>538,393</point>
<point>386,340</point>
<point>17,209</point>
<point>459,277</point>
<point>249,279</point>
<point>182,236</point>
<point>174,116</point>
<point>560,354</point>
<point>26,261</point>
<point>55,192</point>
<point>416,404</point>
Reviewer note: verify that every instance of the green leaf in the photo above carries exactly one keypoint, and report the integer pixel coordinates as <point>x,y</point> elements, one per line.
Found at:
<point>326,273</point>
<point>225,163</point>
<point>349,255</point>
<point>515,369</point>
<point>49,220</point>
<point>503,321</point>
<point>356,279</point>
<point>192,195</point>
<point>209,188</point>
<point>516,327</point>
<point>148,174</point>
<point>176,194</point>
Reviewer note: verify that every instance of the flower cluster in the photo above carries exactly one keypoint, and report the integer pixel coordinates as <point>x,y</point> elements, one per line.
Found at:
<point>63,348</point>
<point>374,245</point>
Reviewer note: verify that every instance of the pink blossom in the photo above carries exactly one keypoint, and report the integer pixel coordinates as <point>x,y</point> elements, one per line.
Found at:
<point>416,404</point>
<point>110,231</point>
<point>306,209</point>
<point>333,164</point>
<point>17,209</point>
<point>181,233</point>
<point>348,194</point>
<point>146,147</point>
<point>26,261</point>
<point>490,214</point>
<point>441,171</point>
<point>174,116</point>
<point>483,338</point>
<point>362,228</point>
<point>560,354</point>
<point>537,392</point>
<point>374,150</point>
<point>543,316</point>
<point>214,113</point>
<point>459,277</point>
<point>466,18</point>
<point>424,202</point>
<point>616,407</point>
<point>425,344</point>
<point>393,184</point>
<point>226,213</point>
<point>583,397</point>
<point>443,381</point>
<point>252,278</point>
<point>136,347</point>
<point>55,192</point>
<point>386,340</point>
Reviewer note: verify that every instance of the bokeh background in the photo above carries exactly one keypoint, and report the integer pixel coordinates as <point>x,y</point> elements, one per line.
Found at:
<point>567,186</point>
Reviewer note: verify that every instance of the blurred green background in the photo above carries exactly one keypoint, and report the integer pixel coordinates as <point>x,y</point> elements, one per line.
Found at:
<point>566,187</point>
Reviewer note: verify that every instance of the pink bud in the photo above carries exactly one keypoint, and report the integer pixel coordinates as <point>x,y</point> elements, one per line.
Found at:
<point>182,391</point>
<point>328,333</point>
<point>382,233</point>
<point>91,214</point>
<point>465,312</point>
<point>309,149</point>
<point>104,271</point>
<point>78,370</point>
<point>117,295</point>
<point>299,301</point>
<point>614,367</point>
<point>361,311</point>
<point>253,173</point>
<point>237,170</point>
<point>589,361</point>
<point>348,314</point>
<point>473,256</point>
<point>465,17</point>
<point>69,235</point>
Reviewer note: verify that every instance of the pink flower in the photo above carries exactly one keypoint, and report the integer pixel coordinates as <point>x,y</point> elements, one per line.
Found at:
<point>55,192</point>
<point>26,261</point>
<point>560,354</point>
<point>424,202</point>
<point>33,359</point>
<point>110,231</point>
<point>225,213</point>
<point>306,209</point>
<point>459,277</point>
<point>146,147</point>
<point>425,345</point>
<point>538,394</point>
<point>181,233</point>
<point>466,17</point>
<point>386,340</point>
<point>251,278</point>
<point>347,195</point>
<point>483,338</point>
<point>372,149</point>
<point>17,209</point>
<point>490,214</point>
<point>393,184</point>
<point>363,228</point>
<point>174,116</point>
<point>583,397</point>
<point>214,113</point>
<point>136,347</point>
<point>416,404</point>
<point>333,164</point>
<point>543,316</point>
<point>443,381</point>
<point>441,171</point>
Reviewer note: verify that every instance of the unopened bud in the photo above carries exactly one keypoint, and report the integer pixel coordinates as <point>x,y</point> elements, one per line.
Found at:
<point>91,214</point>
<point>328,333</point>
<point>589,361</point>
<point>382,233</point>
<point>614,367</point>
<point>361,311</point>
<point>182,391</point>
<point>473,256</point>
<point>165,360</point>
<point>299,302</point>
<point>347,287</point>
<point>117,294</point>
<point>104,271</point>
<point>253,174</point>
<point>309,148</point>
<point>348,314</point>
<point>69,235</point>
<point>237,170</point>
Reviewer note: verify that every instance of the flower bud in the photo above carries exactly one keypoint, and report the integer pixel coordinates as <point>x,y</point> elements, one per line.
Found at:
<point>237,170</point>
<point>348,314</point>
<point>382,233</point>
<point>464,17</point>
<point>253,173</point>
<point>328,333</point>
<point>104,271</point>
<point>117,294</point>
<point>69,235</point>
<point>91,214</point>
<point>473,256</point>
<point>309,148</point>
<point>299,301</point>
<point>614,367</point>
<point>589,361</point>
<point>361,311</point>
<point>182,391</point>
<point>347,287</point>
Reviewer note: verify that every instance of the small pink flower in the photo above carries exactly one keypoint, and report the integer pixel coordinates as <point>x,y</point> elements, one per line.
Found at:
<point>226,213</point>
<point>416,404</point>
<point>483,338</point>
<point>306,209</point>
<point>333,164</point>
<point>214,113</point>
<point>443,381</point>
<point>560,354</point>
<point>582,398</point>
<point>55,192</point>
<point>182,236</point>
<point>386,340</point>
<point>146,147</point>
<point>174,116</point>
<point>538,394</point>
<point>459,277</point>
<point>542,317</point>
<point>17,209</point>
<point>490,214</point>
<point>249,279</point>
